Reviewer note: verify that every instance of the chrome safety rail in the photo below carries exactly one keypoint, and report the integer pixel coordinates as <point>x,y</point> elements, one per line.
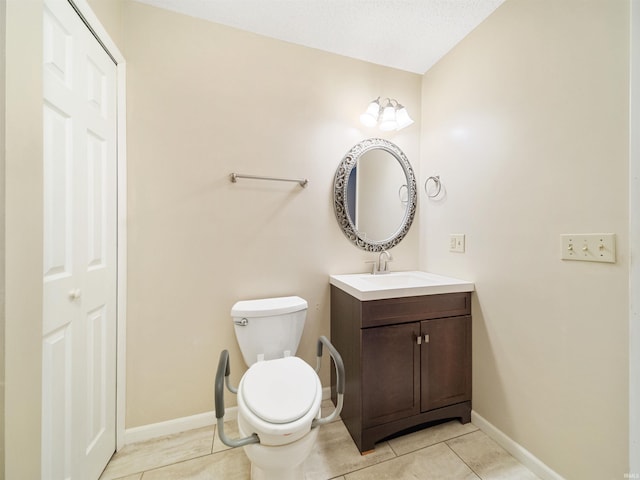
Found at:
<point>221,375</point>
<point>222,378</point>
<point>340,380</point>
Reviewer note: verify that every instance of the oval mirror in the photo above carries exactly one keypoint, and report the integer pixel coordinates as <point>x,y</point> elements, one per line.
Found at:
<point>374,194</point>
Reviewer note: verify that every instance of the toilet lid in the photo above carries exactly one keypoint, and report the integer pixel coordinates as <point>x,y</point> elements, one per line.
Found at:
<point>280,390</point>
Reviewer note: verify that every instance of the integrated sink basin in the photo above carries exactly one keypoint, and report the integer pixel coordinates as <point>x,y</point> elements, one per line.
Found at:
<point>366,286</point>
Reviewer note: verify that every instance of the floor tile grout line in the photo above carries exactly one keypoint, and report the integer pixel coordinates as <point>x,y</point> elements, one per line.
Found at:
<point>430,445</point>
<point>392,449</point>
<point>462,459</point>
<point>414,451</point>
<point>158,467</point>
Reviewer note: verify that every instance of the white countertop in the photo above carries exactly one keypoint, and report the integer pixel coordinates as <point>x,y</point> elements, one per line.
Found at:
<point>366,286</point>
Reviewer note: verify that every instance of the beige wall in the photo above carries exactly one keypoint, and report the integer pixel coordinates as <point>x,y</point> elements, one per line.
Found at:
<point>23,247</point>
<point>110,13</point>
<point>526,122</point>
<point>3,19</point>
<point>634,242</point>
<point>205,100</point>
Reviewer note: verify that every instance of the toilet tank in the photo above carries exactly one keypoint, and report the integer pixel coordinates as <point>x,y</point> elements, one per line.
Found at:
<point>268,328</point>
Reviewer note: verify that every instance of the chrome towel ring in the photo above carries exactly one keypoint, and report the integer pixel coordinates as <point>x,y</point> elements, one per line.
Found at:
<point>437,186</point>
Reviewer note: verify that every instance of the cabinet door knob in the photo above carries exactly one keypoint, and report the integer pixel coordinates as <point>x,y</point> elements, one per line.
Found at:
<point>426,338</point>
<point>419,340</point>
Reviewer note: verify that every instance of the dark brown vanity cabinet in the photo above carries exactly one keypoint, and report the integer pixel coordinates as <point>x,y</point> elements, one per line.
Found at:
<point>407,361</point>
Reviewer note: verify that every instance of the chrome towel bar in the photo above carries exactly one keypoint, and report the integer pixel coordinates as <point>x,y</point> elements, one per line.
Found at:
<point>235,176</point>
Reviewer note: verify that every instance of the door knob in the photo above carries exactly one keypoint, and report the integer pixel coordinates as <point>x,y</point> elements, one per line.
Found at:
<point>74,294</point>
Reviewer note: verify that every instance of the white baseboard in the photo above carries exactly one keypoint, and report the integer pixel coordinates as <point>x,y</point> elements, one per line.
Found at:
<point>177,425</point>
<point>520,453</point>
<point>326,393</point>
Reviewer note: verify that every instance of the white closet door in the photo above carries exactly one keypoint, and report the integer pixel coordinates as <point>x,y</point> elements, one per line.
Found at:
<point>79,312</point>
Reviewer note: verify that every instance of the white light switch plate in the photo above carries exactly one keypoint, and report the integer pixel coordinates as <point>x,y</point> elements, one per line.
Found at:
<point>589,247</point>
<point>456,243</point>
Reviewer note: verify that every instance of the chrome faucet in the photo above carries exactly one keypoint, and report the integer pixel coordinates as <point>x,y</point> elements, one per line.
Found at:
<point>382,265</point>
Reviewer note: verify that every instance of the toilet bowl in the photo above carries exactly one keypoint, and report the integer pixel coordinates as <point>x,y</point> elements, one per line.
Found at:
<point>279,396</point>
<point>279,399</point>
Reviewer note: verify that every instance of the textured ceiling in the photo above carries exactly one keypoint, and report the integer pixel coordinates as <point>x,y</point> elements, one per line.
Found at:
<point>410,35</point>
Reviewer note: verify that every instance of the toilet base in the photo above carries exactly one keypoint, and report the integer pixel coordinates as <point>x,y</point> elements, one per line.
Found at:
<point>281,462</point>
<point>296,473</point>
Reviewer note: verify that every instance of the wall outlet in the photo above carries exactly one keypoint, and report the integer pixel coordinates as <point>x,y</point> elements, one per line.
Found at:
<point>591,247</point>
<point>456,242</point>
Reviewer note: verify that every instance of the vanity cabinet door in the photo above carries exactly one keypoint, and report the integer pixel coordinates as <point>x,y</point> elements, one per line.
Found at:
<point>446,362</point>
<point>390,373</point>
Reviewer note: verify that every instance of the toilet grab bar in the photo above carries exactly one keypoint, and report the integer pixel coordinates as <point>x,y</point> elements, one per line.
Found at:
<point>222,377</point>
<point>340,381</point>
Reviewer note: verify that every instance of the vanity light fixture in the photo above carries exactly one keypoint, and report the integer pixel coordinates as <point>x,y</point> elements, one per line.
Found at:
<point>389,115</point>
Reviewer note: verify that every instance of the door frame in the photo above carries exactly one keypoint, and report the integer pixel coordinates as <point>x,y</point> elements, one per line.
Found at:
<point>91,20</point>
<point>634,240</point>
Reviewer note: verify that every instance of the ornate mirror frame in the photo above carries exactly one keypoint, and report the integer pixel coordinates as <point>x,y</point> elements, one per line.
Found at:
<point>340,198</point>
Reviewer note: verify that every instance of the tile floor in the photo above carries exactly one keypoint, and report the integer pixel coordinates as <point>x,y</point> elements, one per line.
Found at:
<point>449,451</point>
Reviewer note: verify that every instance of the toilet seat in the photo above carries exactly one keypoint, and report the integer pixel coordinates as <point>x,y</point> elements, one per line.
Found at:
<point>302,394</point>
<point>281,390</point>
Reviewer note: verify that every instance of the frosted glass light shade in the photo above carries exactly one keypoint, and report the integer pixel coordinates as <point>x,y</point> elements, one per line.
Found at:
<point>402,118</point>
<point>370,117</point>
<point>388,121</point>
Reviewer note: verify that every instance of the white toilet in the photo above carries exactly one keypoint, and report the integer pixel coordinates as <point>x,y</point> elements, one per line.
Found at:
<point>279,396</point>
